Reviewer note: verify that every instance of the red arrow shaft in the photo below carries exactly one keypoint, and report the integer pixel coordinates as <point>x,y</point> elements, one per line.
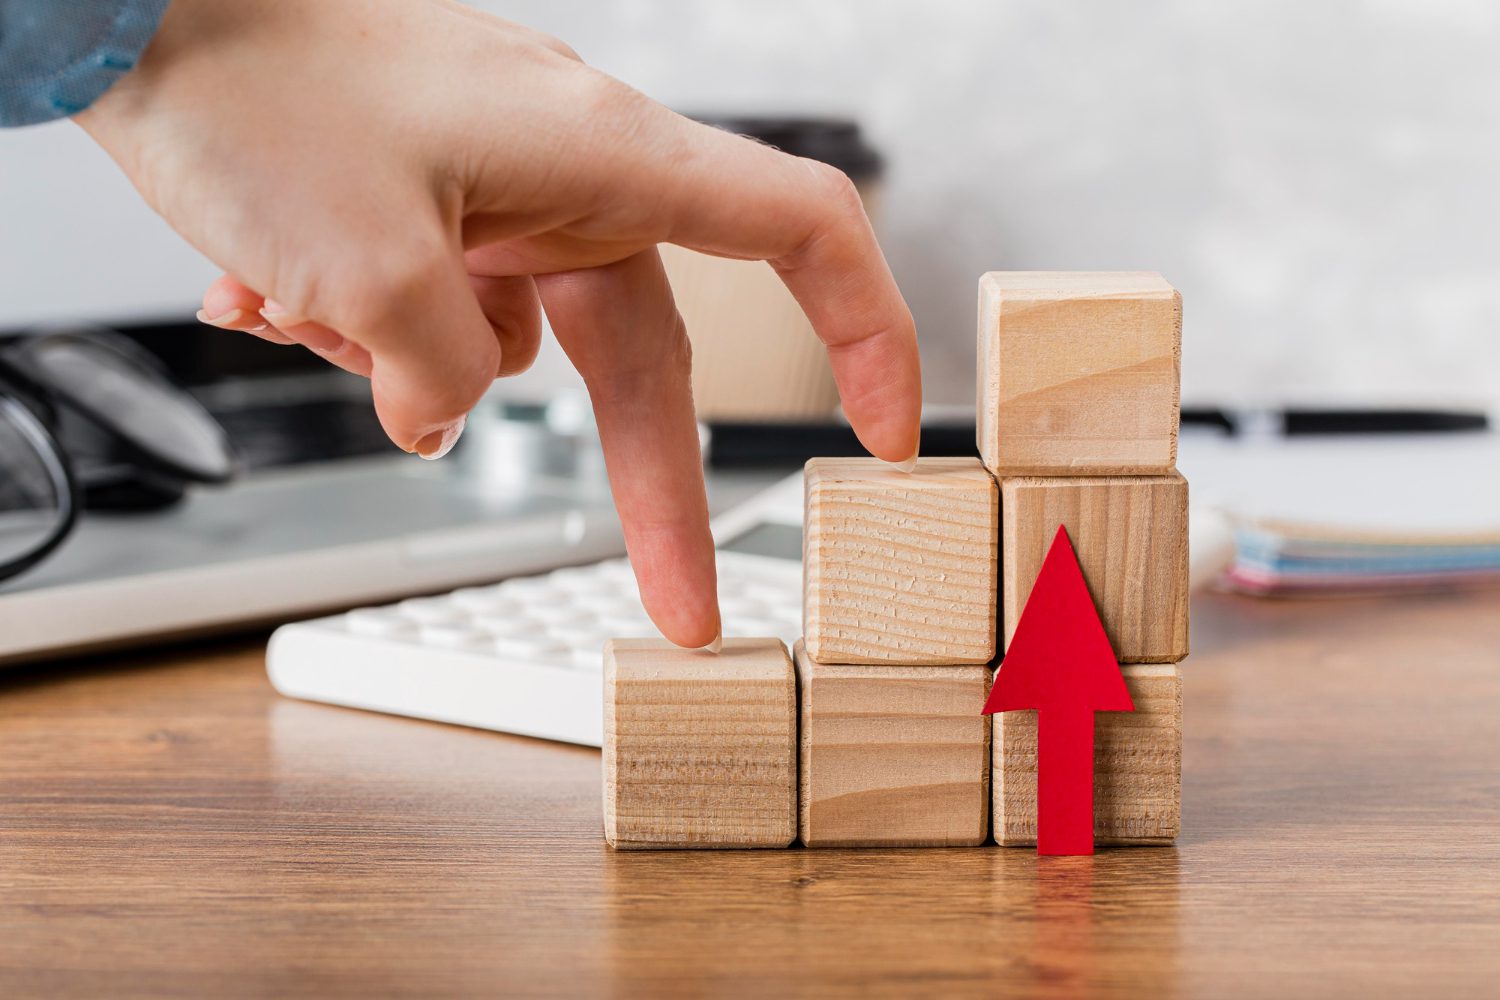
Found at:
<point>1065,781</point>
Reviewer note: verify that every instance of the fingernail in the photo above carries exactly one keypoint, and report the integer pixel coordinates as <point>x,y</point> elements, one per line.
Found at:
<point>437,444</point>
<point>279,315</point>
<point>716,645</point>
<point>906,465</point>
<point>225,321</point>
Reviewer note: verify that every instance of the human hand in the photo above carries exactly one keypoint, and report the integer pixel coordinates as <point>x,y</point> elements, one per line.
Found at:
<point>402,187</point>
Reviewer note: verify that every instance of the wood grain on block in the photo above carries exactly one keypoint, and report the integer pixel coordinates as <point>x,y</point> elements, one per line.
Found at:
<point>893,756</point>
<point>1137,765</point>
<point>899,567</point>
<point>1078,372</point>
<point>1130,535</point>
<point>699,750</point>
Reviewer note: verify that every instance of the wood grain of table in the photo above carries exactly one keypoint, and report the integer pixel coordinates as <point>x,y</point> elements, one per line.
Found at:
<point>171,827</point>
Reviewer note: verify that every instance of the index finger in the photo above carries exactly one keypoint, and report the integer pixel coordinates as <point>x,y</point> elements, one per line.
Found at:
<point>620,327</point>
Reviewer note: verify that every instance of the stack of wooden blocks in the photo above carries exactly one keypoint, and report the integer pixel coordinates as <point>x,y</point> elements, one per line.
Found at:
<point>870,733</point>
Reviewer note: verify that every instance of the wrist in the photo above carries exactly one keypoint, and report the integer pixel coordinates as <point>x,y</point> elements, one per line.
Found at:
<point>189,31</point>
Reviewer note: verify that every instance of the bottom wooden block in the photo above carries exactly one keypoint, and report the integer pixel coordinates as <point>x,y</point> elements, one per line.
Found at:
<point>1137,765</point>
<point>893,756</point>
<point>699,750</point>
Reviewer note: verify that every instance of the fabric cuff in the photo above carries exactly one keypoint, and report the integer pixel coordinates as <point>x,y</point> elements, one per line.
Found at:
<point>80,80</point>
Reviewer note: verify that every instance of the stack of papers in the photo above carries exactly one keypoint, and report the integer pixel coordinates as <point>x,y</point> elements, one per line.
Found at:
<point>1353,514</point>
<point>1291,559</point>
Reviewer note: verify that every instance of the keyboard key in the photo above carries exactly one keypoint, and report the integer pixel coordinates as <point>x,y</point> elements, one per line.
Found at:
<point>607,605</point>
<point>562,614</point>
<point>626,614</point>
<point>591,634</point>
<point>507,623</point>
<point>378,622</point>
<point>432,611</point>
<point>615,569</point>
<point>530,650</point>
<point>532,589</point>
<point>579,579</point>
<point>473,599</point>
<point>593,586</point>
<point>632,627</point>
<point>454,636</point>
<point>622,577</point>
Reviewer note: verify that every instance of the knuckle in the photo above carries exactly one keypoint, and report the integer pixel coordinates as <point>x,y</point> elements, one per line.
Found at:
<point>613,101</point>
<point>531,44</point>
<point>559,46</point>
<point>408,273</point>
<point>834,210</point>
<point>376,292</point>
<point>835,189</point>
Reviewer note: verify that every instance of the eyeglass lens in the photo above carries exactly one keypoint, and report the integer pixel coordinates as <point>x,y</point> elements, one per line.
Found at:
<point>32,507</point>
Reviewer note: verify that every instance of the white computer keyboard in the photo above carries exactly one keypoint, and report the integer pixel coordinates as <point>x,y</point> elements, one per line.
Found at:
<point>522,656</point>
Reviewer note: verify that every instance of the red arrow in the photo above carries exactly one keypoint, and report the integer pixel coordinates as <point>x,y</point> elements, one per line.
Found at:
<point>1060,663</point>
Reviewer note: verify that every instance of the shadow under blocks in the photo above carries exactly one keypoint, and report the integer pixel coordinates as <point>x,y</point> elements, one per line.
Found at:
<point>870,733</point>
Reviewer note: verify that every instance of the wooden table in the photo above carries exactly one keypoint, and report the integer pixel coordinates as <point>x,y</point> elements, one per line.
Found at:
<point>169,827</point>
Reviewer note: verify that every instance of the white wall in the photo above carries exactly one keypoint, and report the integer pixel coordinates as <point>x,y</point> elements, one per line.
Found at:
<point>1318,178</point>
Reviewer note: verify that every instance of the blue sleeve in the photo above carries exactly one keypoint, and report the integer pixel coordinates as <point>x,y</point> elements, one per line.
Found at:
<point>58,56</point>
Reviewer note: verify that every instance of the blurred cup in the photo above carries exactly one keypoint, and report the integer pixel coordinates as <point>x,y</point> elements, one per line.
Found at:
<point>755,357</point>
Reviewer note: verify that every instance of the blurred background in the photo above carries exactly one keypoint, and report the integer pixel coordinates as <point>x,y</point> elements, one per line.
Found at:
<point>1317,179</point>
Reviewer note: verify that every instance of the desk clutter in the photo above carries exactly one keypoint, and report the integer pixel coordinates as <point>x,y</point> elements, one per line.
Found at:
<point>1316,515</point>
<point>870,731</point>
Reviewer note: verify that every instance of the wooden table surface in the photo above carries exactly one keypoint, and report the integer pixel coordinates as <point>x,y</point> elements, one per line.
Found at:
<point>170,827</point>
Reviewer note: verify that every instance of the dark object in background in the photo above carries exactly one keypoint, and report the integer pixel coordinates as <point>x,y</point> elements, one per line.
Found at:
<point>741,445</point>
<point>1309,422</point>
<point>279,406</point>
<point>88,418</point>
<point>112,403</point>
<point>738,444</point>
<point>270,433</point>
<point>197,355</point>
<point>1196,417</point>
<point>835,141</point>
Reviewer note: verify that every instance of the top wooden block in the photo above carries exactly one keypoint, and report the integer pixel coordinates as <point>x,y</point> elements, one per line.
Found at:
<point>1078,372</point>
<point>899,567</point>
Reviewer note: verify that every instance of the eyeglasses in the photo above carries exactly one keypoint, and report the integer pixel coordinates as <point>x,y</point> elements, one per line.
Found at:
<point>91,391</point>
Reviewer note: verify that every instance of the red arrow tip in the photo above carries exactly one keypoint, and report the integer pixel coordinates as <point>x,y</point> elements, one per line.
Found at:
<point>1059,656</point>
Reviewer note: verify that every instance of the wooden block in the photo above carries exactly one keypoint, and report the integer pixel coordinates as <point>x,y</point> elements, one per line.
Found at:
<point>899,567</point>
<point>1130,534</point>
<point>699,750</point>
<point>893,756</point>
<point>1137,765</point>
<point>1078,372</point>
